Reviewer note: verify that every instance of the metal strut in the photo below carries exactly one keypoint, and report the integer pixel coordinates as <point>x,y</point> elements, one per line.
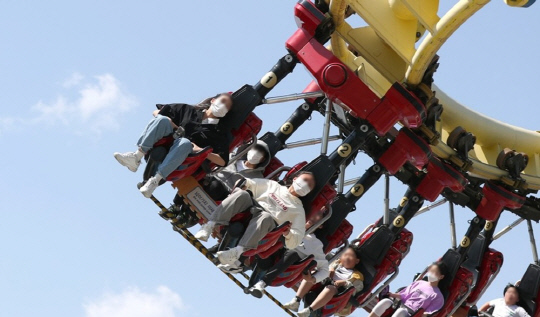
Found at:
<point>452,226</point>
<point>386,215</point>
<point>202,249</point>
<point>326,128</point>
<point>507,228</point>
<point>533,242</point>
<point>291,97</point>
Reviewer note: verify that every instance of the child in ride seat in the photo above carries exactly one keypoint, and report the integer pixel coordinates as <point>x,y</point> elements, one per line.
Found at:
<point>508,306</point>
<point>343,274</point>
<point>196,127</point>
<point>420,294</point>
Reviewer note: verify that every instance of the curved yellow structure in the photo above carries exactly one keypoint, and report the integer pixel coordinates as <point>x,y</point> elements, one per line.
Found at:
<point>398,43</point>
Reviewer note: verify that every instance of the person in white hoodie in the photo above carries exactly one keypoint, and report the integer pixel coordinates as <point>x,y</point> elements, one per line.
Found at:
<point>278,204</point>
<point>310,246</point>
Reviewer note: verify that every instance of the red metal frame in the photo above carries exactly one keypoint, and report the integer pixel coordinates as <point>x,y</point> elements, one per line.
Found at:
<point>491,263</point>
<point>495,199</point>
<point>407,147</point>
<point>343,86</point>
<point>439,177</point>
<point>342,233</point>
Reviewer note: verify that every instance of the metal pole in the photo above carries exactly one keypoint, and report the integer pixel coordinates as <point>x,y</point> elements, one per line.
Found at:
<point>533,242</point>
<point>452,226</point>
<point>326,128</point>
<point>386,215</point>
<point>351,181</point>
<point>291,97</point>
<point>428,208</point>
<point>507,228</point>
<point>307,142</point>
<point>341,179</point>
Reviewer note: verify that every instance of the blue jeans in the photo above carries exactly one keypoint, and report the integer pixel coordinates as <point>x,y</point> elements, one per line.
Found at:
<point>158,128</point>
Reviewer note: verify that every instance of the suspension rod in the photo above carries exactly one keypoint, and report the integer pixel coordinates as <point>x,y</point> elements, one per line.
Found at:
<point>533,242</point>
<point>307,142</point>
<point>507,228</point>
<point>291,97</point>
<point>326,128</point>
<point>341,178</point>
<point>452,226</point>
<point>386,215</point>
<point>428,208</point>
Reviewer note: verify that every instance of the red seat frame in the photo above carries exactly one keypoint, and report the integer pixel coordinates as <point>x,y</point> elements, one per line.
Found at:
<point>293,274</point>
<point>342,233</point>
<point>491,264</point>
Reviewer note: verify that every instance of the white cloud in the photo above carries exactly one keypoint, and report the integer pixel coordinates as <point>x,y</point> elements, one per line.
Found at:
<point>93,105</point>
<point>73,80</point>
<point>133,302</point>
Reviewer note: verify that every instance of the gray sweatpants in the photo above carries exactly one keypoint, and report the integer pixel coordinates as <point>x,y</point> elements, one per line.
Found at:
<point>261,223</point>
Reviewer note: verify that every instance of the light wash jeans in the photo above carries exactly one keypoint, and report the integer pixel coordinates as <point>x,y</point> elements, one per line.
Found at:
<point>158,128</point>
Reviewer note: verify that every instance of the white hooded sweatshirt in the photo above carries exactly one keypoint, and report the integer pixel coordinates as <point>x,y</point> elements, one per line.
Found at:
<point>278,201</point>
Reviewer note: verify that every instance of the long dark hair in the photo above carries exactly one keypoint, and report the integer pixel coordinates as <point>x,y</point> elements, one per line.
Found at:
<point>205,103</point>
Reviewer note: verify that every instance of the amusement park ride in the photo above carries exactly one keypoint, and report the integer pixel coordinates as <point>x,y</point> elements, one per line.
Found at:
<point>367,81</point>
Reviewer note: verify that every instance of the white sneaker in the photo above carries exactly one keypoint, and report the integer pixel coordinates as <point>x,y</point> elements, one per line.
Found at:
<point>148,189</point>
<point>293,305</point>
<point>228,257</point>
<point>231,268</point>
<point>204,233</point>
<point>129,160</point>
<point>257,290</point>
<point>304,312</point>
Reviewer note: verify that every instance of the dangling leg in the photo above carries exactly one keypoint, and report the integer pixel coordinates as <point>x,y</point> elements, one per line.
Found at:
<point>178,153</point>
<point>156,129</point>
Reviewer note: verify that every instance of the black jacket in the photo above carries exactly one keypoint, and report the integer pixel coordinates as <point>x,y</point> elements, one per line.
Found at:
<point>190,118</point>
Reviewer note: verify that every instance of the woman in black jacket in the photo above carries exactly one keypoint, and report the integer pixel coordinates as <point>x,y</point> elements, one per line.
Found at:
<point>201,129</point>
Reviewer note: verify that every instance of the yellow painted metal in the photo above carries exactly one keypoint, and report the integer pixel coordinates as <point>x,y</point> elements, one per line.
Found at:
<point>446,26</point>
<point>384,52</point>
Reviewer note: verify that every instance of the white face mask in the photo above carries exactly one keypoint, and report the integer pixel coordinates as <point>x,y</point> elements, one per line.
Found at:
<point>218,109</point>
<point>431,277</point>
<point>254,156</point>
<point>301,187</point>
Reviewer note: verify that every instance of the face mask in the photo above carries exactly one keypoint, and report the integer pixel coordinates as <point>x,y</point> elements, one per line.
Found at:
<point>219,109</point>
<point>431,277</point>
<point>254,156</point>
<point>301,187</point>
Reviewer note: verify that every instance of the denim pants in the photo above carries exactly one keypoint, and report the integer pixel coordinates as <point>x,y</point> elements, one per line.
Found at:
<point>158,128</point>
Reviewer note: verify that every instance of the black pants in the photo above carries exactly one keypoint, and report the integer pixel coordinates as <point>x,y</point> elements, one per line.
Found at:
<point>288,258</point>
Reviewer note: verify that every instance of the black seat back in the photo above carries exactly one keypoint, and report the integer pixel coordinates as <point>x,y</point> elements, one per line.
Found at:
<point>245,100</point>
<point>452,259</point>
<point>529,288</point>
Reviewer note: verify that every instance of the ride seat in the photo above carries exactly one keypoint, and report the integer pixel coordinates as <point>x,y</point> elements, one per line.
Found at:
<point>293,274</point>
<point>338,302</point>
<point>529,289</point>
<point>337,239</point>
<point>272,166</point>
<point>251,126</point>
<point>270,243</point>
<point>191,166</point>
<point>376,265</point>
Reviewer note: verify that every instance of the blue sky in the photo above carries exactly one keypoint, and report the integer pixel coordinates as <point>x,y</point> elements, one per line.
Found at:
<point>79,81</point>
